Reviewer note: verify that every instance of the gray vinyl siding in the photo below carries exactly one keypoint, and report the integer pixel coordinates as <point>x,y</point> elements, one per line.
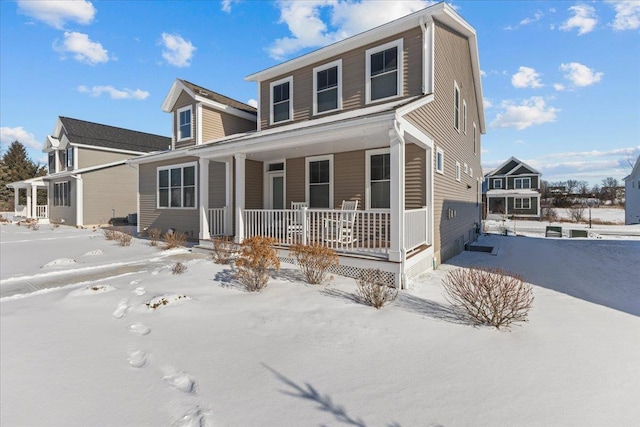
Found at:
<point>511,184</point>
<point>184,100</point>
<point>88,157</point>
<point>216,124</point>
<point>109,193</point>
<point>492,185</point>
<point>182,220</point>
<point>66,214</point>
<point>507,168</point>
<point>353,79</point>
<point>254,179</point>
<point>217,184</point>
<point>456,206</point>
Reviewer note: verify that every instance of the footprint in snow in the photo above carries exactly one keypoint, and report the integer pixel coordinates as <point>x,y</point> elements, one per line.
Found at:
<point>137,358</point>
<point>139,291</point>
<point>194,418</point>
<point>180,380</point>
<point>139,328</point>
<point>123,306</point>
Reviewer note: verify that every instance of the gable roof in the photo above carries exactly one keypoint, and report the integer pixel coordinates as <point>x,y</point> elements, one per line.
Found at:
<point>635,171</point>
<point>111,137</point>
<point>209,97</point>
<point>518,164</point>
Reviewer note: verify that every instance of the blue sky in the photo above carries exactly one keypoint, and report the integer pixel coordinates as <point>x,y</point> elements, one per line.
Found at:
<point>561,80</point>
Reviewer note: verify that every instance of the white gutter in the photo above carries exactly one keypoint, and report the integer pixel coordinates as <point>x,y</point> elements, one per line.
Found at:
<point>403,251</point>
<point>79,199</point>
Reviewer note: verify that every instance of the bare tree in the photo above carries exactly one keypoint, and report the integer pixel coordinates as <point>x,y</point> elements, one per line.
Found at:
<point>583,187</point>
<point>572,184</point>
<point>609,186</point>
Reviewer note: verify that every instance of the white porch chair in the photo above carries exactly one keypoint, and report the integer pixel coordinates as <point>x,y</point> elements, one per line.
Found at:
<point>341,229</point>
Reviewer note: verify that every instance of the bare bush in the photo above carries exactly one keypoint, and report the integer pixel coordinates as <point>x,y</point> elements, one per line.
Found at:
<point>110,233</point>
<point>3,220</point>
<point>576,214</point>
<point>178,268</point>
<point>373,291</point>
<point>314,261</point>
<point>123,238</point>
<point>257,256</point>
<point>549,214</point>
<point>224,249</point>
<point>173,239</point>
<point>493,297</point>
<point>54,223</point>
<point>154,236</point>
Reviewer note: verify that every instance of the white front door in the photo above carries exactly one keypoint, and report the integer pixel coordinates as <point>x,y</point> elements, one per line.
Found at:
<point>276,190</point>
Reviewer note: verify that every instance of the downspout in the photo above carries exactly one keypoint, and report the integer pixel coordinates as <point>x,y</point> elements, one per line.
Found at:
<point>427,55</point>
<point>79,200</point>
<point>403,251</point>
<point>137,168</point>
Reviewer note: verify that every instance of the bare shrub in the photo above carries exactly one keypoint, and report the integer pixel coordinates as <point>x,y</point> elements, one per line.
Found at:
<point>110,233</point>
<point>224,249</point>
<point>178,268</point>
<point>54,223</point>
<point>3,220</point>
<point>549,214</point>
<point>173,239</point>
<point>373,291</point>
<point>576,214</point>
<point>154,236</point>
<point>123,238</point>
<point>257,256</point>
<point>314,261</point>
<point>493,297</point>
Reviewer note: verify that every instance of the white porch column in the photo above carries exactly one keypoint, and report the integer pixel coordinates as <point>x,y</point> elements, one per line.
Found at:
<point>397,196</point>
<point>29,209</point>
<point>506,205</point>
<point>34,201</point>
<point>79,200</point>
<point>203,200</point>
<point>239,181</point>
<point>16,200</point>
<point>228,197</point>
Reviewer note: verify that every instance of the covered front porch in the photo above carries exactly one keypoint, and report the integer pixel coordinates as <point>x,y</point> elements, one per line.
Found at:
<point>25,199</point>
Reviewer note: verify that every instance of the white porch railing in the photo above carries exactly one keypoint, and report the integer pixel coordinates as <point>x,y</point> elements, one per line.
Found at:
<point>42,211</point>
<point>21,211</point>
<point>345,231</point>
<point>217,221</point>
<point>416,228</point>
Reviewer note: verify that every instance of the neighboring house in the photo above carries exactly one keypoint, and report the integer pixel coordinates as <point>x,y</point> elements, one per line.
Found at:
<point>513,189</point>
<point>89,181</point>
<point>632,195</point>
<point>390,118</point>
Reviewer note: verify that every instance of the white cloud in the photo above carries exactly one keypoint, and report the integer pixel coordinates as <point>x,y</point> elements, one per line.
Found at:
<point>253,103</point>
<point>559,87</point>
<point>580,75</point>
<point>487,103</point>
<point>526,77</point>
<point>114,93</point>
<point>8,135</point>
<point>526,21</point>
<point>346,18</point>
<point>225,5</point>
<point>177,51</point>
<point>82,48</point>
<point>584,19</point>
<point>627,15</point>
<point>56,12</point>
<point>530,112</point>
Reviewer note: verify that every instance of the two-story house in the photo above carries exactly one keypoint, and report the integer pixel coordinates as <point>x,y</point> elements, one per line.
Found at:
<point>370,145</point>
<point>513,189</point>
<point>88,181</point>
<point>632,195</point>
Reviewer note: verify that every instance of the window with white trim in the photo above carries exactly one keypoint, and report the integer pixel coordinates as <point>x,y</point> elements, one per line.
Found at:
<point>281,100</point>
<point>52,162</point>
<point>475,139</point>
<point>319,181</point>
<point>184,123</point>
<point>522,203</point>
<point>464,116</point>
<point>439,160</point>
<point>62,193</point>
<point>62,155</point>
<point>466,168</point>
<point>457,171</point>
<point>471,172</point>
<point>384,71</point>
<point>327,87</point>
<point>177,186</point>
<point>378,176</point>
<point>69,158</point>
<point>456,106</point>
<point>497,183</point>
<point>520,183</point>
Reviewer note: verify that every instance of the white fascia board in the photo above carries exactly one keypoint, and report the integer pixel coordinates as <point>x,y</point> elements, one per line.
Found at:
<point>424,100</point>
<point>50,144</point>
<point>533,171</point>
<point>112,150</point>
<point>174,93</point>
<point>156,157</point>
<point>27,183</point>
<point>83,170</point>
<point>354,42</point>
<point>226,108</point>
<point>64,142</point>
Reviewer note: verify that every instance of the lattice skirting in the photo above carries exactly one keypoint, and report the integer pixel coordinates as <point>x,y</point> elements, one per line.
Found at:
<point>387,277</point>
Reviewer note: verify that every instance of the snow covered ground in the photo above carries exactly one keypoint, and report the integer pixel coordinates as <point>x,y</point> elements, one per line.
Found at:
<point>81,345</point>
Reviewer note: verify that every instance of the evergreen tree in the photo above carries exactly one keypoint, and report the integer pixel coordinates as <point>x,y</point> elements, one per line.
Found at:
<point>15,165</point>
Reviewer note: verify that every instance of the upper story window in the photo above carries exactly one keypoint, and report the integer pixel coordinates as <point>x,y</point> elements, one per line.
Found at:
<point>497,183</point>
<point>522,183</point>
<point>184,123</point>
<point>475,139</point>
<point>177,186</point>
<point>456,106</point>
<point>320,181</point>
<point>281,100</point>
<point>458,171</point>
<point>384,71</point>
<point>464,116</point>
<point>70,158</point>
<point>378,175</point>
<point>327,84</point>
<point>439,160</point>
<point>52,162</point>
<point>61,194</point>
<point>62,155</point>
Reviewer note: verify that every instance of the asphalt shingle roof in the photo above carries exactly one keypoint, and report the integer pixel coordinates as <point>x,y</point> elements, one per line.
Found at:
<point>95,134</point>
<point>214,96</point>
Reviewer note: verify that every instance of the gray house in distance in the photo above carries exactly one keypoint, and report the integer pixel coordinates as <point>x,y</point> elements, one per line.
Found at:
<point>513,188</point>
<point>88,181</point>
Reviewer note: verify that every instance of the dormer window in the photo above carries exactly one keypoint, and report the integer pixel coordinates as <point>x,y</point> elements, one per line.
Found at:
<point>384,71</point>
<point>184,123</point>
<point>327,83</point>
<point>281,100</point>
<point>52,162</point>
<point>70,158</point>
